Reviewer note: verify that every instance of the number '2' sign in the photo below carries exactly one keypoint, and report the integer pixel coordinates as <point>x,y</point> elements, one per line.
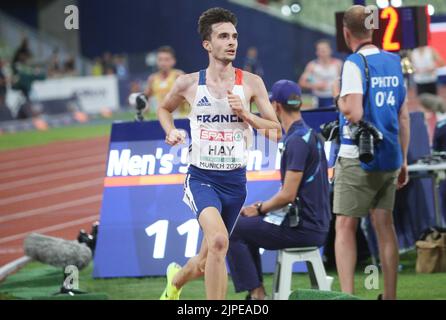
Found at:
<point>397,29</point>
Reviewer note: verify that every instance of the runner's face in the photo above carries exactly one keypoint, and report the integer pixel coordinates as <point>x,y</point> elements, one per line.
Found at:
<point>165,61</point>
<point>223,43</point>
<point>323,51</point>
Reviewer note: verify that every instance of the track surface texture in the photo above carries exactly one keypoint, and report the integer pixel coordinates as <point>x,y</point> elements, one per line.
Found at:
<point>54,189</point>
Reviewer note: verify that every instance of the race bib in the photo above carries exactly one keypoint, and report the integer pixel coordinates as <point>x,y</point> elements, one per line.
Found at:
<point>222,149</point>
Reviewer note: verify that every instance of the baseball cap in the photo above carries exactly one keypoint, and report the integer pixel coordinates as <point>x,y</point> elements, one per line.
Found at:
<point>284,91</point>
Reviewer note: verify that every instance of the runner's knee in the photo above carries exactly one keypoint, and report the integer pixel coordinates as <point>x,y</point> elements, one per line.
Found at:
<point>218,243</point>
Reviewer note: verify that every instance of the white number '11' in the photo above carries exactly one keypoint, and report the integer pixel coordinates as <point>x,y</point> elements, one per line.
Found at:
<point>159,230</point>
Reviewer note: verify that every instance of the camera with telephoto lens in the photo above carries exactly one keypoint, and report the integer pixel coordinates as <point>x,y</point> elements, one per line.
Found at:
<point>139,101</point>
<point>330,130</point>
<point>367,137</point>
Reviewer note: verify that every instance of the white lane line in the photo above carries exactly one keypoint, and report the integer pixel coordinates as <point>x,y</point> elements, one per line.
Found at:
<point>13,266</point>
<point>49,229</point>
<point>53,166</point>
<point>10,250</point>
<point>53,191</point>
<point>53,176</point>
<point>17,164</point>
<point>43,210</point>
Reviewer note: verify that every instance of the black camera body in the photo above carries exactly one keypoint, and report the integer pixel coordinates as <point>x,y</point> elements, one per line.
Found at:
<point>293,212</point>
<point>141,103</point>
<point>330,131</point>
<point>366,137</point>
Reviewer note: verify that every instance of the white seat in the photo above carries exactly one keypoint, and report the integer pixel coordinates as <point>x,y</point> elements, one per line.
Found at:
<point>284,270</point>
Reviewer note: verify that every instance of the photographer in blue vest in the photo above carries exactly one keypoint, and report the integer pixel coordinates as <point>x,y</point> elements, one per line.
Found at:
<point>372,160</point>
<point>298,215</point>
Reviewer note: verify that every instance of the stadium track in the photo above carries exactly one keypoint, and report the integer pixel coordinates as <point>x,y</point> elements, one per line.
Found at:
<point>55,189</point>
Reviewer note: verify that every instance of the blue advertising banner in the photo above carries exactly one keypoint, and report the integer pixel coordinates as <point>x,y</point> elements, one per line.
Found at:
<point>144,224</point>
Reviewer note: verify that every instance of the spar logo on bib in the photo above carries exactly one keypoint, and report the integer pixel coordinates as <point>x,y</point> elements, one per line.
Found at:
<point>238,136</point>
<point>221,136</point>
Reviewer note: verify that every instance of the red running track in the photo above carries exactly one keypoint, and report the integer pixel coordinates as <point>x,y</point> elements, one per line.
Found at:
<point>54,189</point>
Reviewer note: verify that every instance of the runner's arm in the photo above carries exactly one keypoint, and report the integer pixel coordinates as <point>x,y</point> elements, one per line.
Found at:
<point>303,80</point>
<point>148,91</point>
<point>267,124</point>
<point>171,102</point>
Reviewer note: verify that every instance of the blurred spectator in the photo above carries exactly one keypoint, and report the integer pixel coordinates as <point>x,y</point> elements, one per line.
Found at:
<point>69,68</point>
<point>109,71</point>
<point>54,67</point>
<point>5,112</point>
<point>434,109</point>
<point>3,83</point>
<point>436,105</point>
<point>426,60</point>
<point>22,53</point>
<point>97,69</point>
<point>23,75</point>
<point>107,64</point>
<point>121,67</point>
<point>160,82</point>
<point>321,74</point>
<point>252,63</point>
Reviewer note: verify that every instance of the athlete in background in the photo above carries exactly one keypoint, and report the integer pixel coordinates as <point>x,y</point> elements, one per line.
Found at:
<point>320,75</point>
<point>161,82</point>
<point>220,121</point>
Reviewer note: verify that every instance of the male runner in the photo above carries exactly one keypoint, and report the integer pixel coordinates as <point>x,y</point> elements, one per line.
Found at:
<point>220,121</point>
<point>160,82</point>
<point>320,75</point>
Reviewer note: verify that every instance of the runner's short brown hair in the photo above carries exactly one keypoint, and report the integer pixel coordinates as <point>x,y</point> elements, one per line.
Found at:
<point>213,16</point>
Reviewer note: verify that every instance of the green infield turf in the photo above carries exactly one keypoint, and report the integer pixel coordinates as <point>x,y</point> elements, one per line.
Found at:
<point>97,127</point>
<point>38,281</point>
<point>92,129</point>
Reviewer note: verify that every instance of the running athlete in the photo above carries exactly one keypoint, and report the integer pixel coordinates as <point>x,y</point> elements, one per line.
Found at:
<point>220,121</point>
<point>320,75</point>
<point>160,82</point>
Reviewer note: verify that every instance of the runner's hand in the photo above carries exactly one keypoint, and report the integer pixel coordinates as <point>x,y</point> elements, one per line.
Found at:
<point>237,105</point>
<point>175,137</point>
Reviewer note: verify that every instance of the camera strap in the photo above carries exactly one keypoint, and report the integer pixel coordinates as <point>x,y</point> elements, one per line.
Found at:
<point>367,76</point>
<point>367,82</point>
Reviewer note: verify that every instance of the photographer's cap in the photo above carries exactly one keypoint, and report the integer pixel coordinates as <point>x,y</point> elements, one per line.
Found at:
<point>285,91</point>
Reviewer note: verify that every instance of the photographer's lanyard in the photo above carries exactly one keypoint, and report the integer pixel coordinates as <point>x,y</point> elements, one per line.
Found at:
<point>367,76</point>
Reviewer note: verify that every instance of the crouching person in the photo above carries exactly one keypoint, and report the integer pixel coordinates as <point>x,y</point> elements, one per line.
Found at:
<point>298,215</point>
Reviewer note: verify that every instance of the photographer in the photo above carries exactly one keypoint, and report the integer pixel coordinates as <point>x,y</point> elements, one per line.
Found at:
<point>298,215</point>
<point>372,163</point>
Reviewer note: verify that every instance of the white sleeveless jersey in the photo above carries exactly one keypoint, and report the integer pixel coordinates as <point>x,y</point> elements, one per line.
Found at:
<point>327,73</point>
<point>220,139</point>
<point>424,59</point>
